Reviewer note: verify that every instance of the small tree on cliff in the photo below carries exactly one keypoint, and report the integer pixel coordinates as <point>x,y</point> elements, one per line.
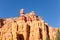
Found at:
<point>58,35</point>
<point>48,38</point>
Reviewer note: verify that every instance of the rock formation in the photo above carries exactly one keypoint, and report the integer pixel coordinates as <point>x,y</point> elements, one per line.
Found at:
<point>26,27</point>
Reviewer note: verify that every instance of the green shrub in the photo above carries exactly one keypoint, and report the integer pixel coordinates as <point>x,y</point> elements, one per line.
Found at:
<point>48,38</point>
<point>58,35</point>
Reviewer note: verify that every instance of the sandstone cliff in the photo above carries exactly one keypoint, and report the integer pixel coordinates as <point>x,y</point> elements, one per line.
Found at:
<point>26,27</point>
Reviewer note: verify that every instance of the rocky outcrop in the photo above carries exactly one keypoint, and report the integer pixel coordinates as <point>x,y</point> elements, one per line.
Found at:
<point>26,27</point>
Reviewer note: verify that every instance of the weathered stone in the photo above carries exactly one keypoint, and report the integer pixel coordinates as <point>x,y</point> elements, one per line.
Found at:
<point>26,27</point>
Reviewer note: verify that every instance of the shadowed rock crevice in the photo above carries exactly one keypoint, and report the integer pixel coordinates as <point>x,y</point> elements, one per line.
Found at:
<point>40,31</point>
<point>1,22</point>
<point>28,32</point>
<point>20,37</point>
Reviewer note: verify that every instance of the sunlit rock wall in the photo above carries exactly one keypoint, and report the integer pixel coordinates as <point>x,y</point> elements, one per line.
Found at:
<point>26,27</point>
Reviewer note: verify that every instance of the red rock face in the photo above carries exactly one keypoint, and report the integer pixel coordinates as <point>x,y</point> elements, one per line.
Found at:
<point>26,27</point>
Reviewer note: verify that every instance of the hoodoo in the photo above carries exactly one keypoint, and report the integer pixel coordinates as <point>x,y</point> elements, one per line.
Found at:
<point>26,27</point>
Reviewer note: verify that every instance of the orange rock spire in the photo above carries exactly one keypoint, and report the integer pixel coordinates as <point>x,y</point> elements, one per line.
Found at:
<point>21,12</point>
<point>32,14</point>
<point>34,28</point>
<point>22,17</point>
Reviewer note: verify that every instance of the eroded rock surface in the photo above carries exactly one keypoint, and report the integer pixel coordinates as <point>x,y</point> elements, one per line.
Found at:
<point>26,27</point>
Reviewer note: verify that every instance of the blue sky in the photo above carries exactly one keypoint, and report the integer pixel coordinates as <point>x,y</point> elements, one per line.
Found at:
<point>49,10</point>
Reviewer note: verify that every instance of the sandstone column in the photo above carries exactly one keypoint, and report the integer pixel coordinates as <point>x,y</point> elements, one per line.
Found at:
<point>31,32</point>
<point>40,29</point>
<point>43,30</point>
<point>34,31</point>
<point>22,26</point>
<point>0,30</point>
<point>14,30</point>
<point>4,31</point>
<point>28,26</point>
<point>0,34</point>
<point>25,31</point>
<point>31,15</point>
<point>50,33</point>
